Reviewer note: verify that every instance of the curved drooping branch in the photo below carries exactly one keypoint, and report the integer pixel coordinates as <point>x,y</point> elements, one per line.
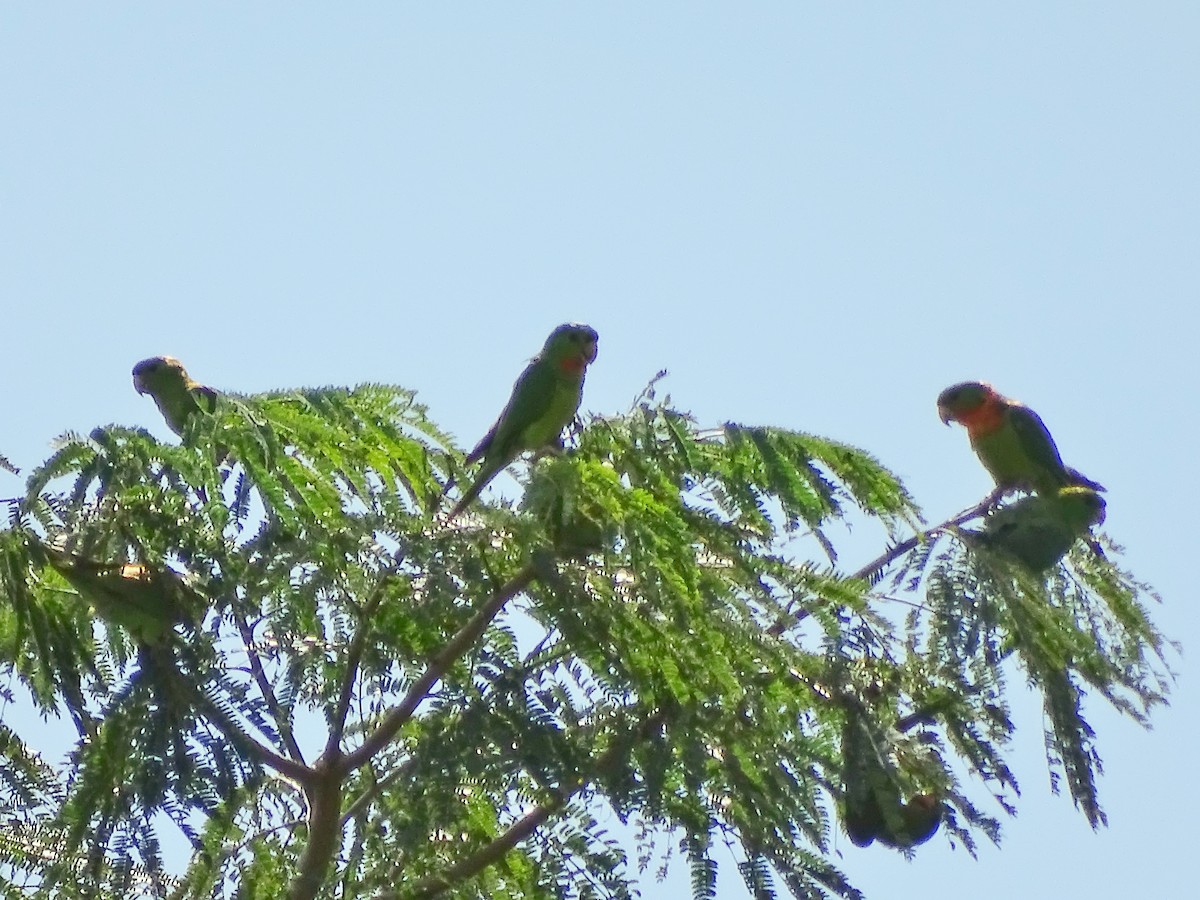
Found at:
<point>236,735</point>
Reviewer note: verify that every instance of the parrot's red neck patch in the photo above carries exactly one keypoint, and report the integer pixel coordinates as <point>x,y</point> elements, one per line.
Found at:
<point>983,419</point>
<point>573,365</point>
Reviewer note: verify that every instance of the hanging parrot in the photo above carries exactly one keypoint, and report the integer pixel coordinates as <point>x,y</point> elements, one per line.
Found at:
<point>1010,440</point>
<point>177,396</point>
<point>1039,530</point>
<point>915,822</point>
<point>544,401</point>
<point>866,787</point>
<point>872,806</point>
<point>146,603</point>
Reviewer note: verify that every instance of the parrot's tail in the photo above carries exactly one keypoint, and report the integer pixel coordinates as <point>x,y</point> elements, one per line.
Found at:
<point>1075,478</point>
<point>481,481</point>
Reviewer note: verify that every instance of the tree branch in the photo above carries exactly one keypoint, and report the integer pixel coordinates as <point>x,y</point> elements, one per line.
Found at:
<point>437,667</point>
<point>236,735</point>
<point>264,688</point>
<point>353,660</point>
<point>230,852</point>
<point>364,799</point>
<point>324,794</point>
<point>875,567</point>
<point>495,850</point>
<point>490,853</point>
<point>360,803</point>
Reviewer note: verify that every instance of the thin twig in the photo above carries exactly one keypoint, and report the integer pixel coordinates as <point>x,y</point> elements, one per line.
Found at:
<point>230,852</point>
<point>876,566</point>
<point>364,799</point>
<point>871,570</point>
<point>353,660</point>
<point>490,853</point>
<point>264,688</point>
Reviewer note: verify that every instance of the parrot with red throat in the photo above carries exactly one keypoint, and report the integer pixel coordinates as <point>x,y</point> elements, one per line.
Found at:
<point>1010,440</point>
<point>175,394</point>
<point>544,401</point>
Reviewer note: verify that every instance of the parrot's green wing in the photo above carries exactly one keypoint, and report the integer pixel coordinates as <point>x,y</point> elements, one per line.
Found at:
<point>197,399</point>
<point>1081,507</point>
<point>145,603</point>
<point>872,806</point>
<point>1047,471</point>
<point>522,425</point>
<point>863,780</point>
<point>205,398</point>
<point>531,399</point>
<point>1035,440</point>
<point>176,407</point>
<point>917,822</point>
<point>1033,534</point>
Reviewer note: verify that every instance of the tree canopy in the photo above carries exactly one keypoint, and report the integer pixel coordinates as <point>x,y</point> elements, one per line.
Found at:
<point>267,639</point>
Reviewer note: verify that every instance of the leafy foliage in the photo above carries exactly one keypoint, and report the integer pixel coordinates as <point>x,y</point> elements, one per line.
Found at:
<point>266,639</point>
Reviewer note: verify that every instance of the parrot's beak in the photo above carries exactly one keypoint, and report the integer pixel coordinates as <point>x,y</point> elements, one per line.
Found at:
<point>138,385</point>
<point>1101,511</point>
<point>590,349</point>
<point>945,415</point>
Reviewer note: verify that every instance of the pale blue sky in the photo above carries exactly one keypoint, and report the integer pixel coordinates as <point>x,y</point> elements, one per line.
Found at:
<point>815,216</point>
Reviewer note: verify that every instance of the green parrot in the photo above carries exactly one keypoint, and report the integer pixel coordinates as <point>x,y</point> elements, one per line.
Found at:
<point>146,603</point>
<point>871,803</point>
<point>1039,530</point>
<point>917,820</point>
<point>544,401</point>
<point>177,396</point>
<point>1010,440</point>
<point>864,778</point>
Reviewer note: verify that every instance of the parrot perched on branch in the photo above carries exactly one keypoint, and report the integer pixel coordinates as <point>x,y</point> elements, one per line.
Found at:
<point>544,401</point>
<point>146,603</point>
<point>177,396</point>
<point>1010,440</point>
<point>1040,530</point>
